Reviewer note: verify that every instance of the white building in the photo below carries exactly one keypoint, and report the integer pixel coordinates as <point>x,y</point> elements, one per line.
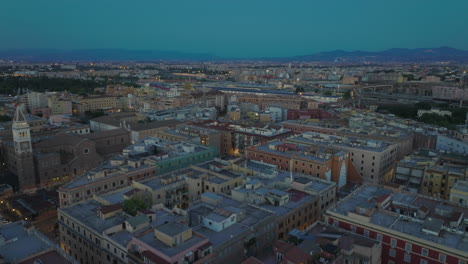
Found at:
<point>37,100</point>
<point>434,111</point>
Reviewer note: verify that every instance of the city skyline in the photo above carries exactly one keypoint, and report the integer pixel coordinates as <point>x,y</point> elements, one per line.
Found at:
<point>243,30</point>
<point>243,132</point>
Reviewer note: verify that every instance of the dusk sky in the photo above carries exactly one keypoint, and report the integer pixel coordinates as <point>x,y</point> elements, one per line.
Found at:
<point>243,28</point>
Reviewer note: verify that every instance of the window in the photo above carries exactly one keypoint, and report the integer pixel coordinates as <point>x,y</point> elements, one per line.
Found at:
<point>407,257</point>
<point>335,222</point>
<point>391,252</point>
<point>366,233</point>
<point>423,261</point>
<point>442,258</point>
<point>353,228</point>
<point>425,252</point>
<point>408,247</point>
<point>390,262</point>
<point>379,237</point>
<point>393,242</point>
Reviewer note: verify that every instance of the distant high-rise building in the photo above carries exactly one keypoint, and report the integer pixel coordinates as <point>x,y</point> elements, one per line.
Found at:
<point>37,100</point>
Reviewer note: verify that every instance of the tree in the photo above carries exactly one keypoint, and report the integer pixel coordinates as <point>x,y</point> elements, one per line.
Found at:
<point>423,105</point>
<point>94,113</point>
<point>299,90</point>
<point>132,206</point>
<point>347,95</point>
<point>327,93</point>
<point>4,118</point>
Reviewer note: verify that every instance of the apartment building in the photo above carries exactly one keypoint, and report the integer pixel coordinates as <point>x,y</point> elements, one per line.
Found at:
<point>329,244</point>
<point>147,158</point>
<point>236,138</point>
<point>203,136</point>
<point>359,127</point>
<point>22,243</point>
<point>264,101</point>
<point>37,100</point>
<point>170,243</point>
<point>373,159</point>
<point>411,227</point>
<point>293,208</point>
<point>325,190</point>
<point>431,172</point>
<point>439,180</point>
<point>236,230</point>
<point>323,163</point>
<point>59,106</point>
<point>83,104</point>
<point>93,232</point>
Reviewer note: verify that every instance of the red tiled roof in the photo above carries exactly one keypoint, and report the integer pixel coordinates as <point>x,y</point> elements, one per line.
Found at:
<point>283,247</point>
<point>382,198</point>
<point>105,209</point>
<point>296,195</point>
<point>296,255</point>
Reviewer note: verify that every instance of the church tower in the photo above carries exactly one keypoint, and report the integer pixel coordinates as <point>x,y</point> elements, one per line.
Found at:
<point>22,154</point>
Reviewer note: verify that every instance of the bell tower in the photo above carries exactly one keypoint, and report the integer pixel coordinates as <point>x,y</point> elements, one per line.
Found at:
<point>21,157</point>
<point>21,133</point>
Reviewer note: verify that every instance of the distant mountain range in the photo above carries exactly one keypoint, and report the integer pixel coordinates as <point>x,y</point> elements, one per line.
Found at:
<point>392,55</point>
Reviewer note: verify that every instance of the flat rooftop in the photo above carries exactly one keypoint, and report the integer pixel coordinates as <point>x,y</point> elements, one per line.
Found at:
<point>86,213</point>
<point>369,196</point>
<point>333,141</point>
<point>20,244</point>
<point>150,239</point>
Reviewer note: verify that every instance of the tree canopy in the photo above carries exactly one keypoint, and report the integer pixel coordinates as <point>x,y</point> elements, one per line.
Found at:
<point>4,118</point>
<point>132,206</point>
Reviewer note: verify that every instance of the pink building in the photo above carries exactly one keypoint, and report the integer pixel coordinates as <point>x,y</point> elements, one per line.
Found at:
<point>44,111</point>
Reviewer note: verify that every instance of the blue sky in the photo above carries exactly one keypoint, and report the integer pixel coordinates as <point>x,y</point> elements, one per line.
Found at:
<point>242,28</point>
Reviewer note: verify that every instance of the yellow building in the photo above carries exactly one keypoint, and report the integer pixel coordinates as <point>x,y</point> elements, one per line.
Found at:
<point>99,102</point>
<point>438,181</point>
<point>58,106</point>
<point>264,117</point>
<point>235,116</point>
<point>254,116</point>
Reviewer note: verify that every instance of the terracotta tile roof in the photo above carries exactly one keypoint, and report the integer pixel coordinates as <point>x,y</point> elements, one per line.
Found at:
<point>105,209</point>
